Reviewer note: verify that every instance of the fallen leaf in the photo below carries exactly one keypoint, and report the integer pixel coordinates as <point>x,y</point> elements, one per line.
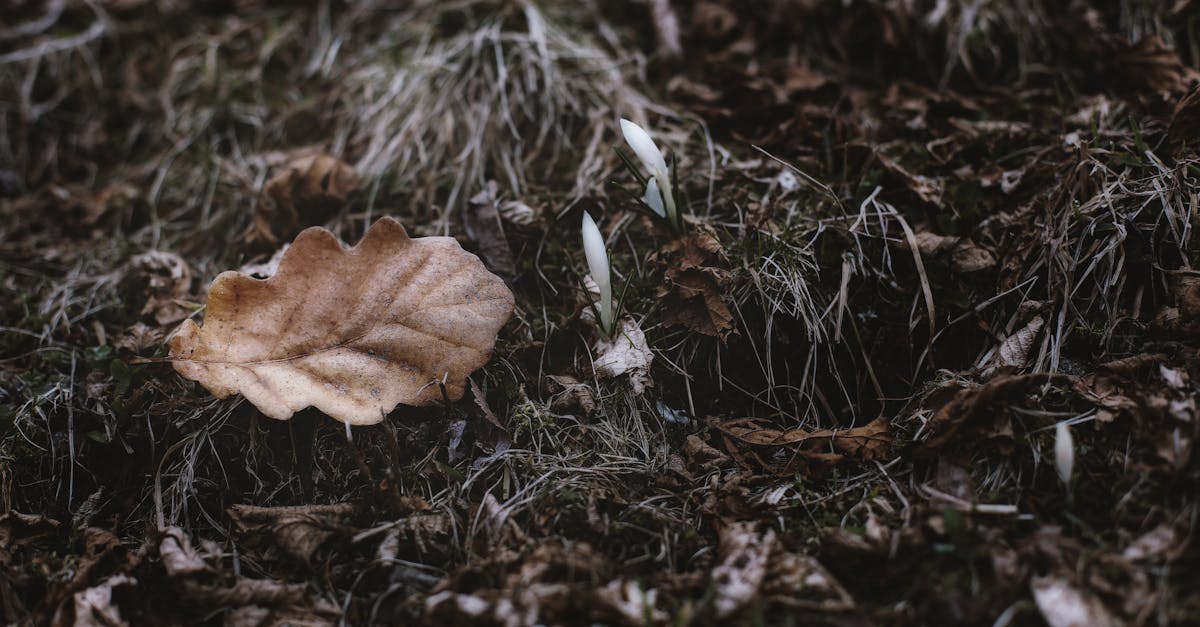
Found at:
<point>568,394</point>
<point>94,606</point>
<point>696,273</point>
<point>1014,351</point>
<point>626,353</point>
<point>961,254</point>
<point>823,447</point>
<point>306,191</point>
<point>353,332</point>
<point>162,280</point>
<point>482,222</point>
<point>745,556</point>
<point>298,530</point>
<point>1063,604</point>
<point>958,406</point>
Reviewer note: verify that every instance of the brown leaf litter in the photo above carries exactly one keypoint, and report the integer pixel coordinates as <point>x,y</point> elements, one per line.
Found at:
<point>300,530</point>
<point>696,275</point>
<point>352,332</point>
<point>305,191</point>
<point>812,451</point>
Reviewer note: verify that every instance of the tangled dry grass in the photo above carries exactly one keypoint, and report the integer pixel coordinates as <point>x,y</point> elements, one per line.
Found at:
<point>942,229</point>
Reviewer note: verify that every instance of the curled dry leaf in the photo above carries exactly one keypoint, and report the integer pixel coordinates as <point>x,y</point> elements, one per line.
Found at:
<point>305,191</point>
<point>1063,604</point>
<point>299,530</point>
<point>162,279</point>
<point>627,352</point>
<point>1014,351</point>
<point>353,332</point>
<point>697,276</point>
<point>961,254</point>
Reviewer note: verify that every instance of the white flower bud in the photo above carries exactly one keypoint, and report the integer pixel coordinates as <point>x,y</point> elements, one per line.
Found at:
<point>1064,452</point>
<point>597,260</point>
<point>654,198</point>
<point>645,148</point>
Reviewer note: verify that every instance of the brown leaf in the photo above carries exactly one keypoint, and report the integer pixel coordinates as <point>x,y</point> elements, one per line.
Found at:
<point>353,332</point>
<point>1064,604</point>
<point>696,277</point>
<point>1014,351</point>
<point>960,253</point>
<point>625,353</point>
<point>745,557</point>
<point>162,280</point>
<point>569,394</point>
<point>482,222</point>
<point>306,191</point>
<point>299,530</point>
<point>962,406</point>
<point>870,441</point>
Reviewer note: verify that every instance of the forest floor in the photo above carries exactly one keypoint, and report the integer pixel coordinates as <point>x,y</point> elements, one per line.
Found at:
<point>922,237</point>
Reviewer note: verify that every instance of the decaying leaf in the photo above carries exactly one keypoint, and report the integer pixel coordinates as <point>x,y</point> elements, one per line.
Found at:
<point>815,449</point>
<point>1063,604</point>
<point>697,274</point>
<point>257,602</point>
<point>298,530</point>
<point>305,191</point>
<point>1014,351</point>
<point>745,556</point>
<point>958,406</point>
<point>961,254</point>
<point>352,332</point>
<point>482,222</point>
<point>626,353</point>
<point>162,280</point>
<point>94,606</point>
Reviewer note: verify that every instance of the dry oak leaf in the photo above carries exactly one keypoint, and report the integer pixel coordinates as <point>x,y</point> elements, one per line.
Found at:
<point>353,332</point>
<point>306,190</point>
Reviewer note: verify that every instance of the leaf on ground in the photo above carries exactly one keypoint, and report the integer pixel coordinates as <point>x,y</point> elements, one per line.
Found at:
<point>481,220</point>
<point>94,606</point>
<point>305,191</point>
<point>959,253</point>
<point>162,280</point>
<point>737,578</point>
<point>1062,604</point>
<point>755,566</point>
<point>626,353</point>
<point>927,189</point>
<point>696,272</point>
<point>1015,349</point>
<point>568,394</point>
<point>815,449</point>
<point>353,332</point>
<point>958,406</point>
<point>300,530</point>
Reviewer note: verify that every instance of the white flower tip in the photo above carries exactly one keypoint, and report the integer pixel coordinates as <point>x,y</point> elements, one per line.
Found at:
<point>1064,452</point>
<point>654,198</point>
<point>594,251</point>
<point>644,147</point>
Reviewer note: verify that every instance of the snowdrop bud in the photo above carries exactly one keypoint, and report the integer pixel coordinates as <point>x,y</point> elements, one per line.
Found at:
<point>644,147</point>
<point>597,259</point>
<point>654,198</point>
<point>1064,452</point>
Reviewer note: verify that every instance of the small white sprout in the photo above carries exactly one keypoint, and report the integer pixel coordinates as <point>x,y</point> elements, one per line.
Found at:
<point>654,199</point>
<point>597,260</point>
<point>646,150</point>
<point>1064,452</point>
